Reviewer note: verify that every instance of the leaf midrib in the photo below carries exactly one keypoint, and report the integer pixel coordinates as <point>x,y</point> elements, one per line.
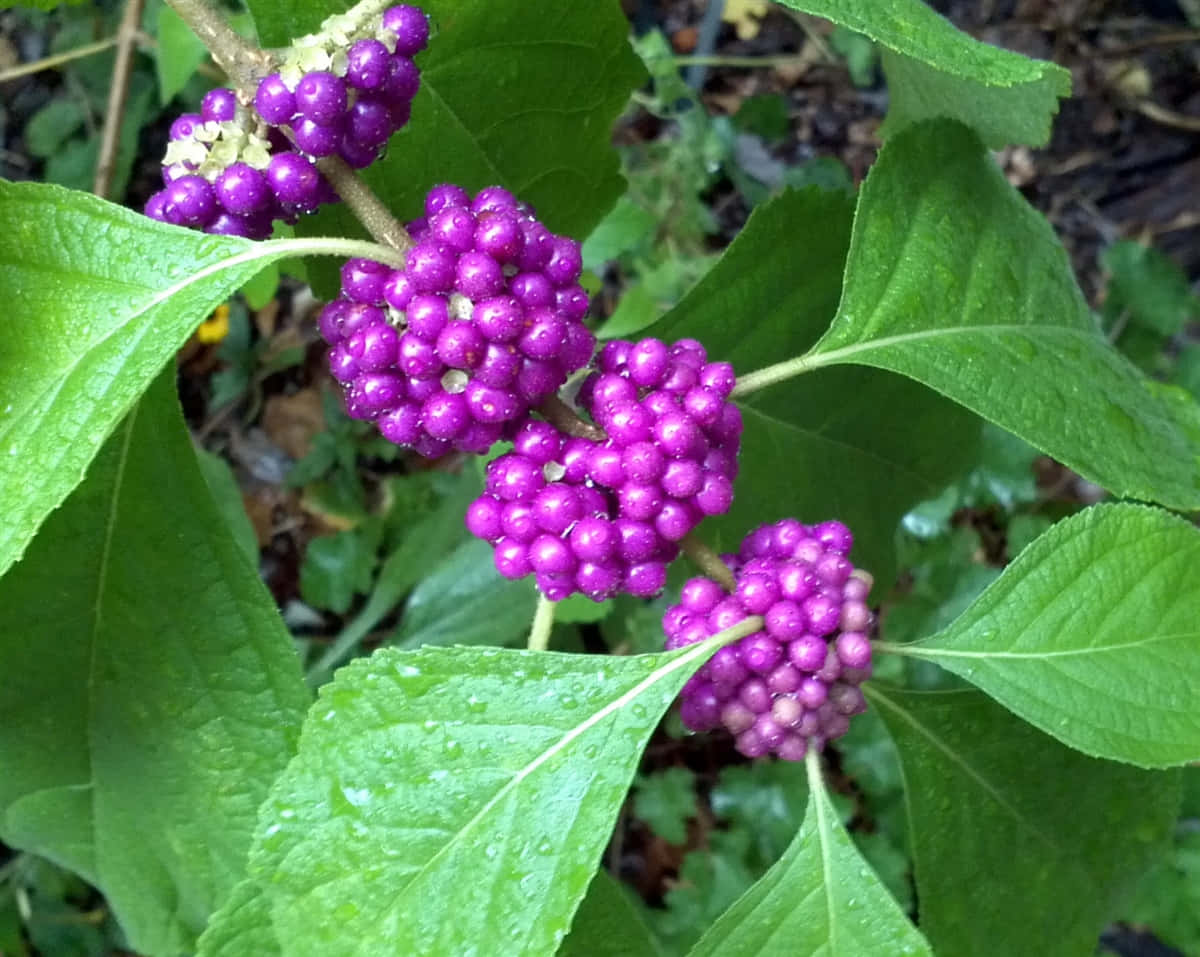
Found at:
<point>873,691</point>
<point>618,703</point>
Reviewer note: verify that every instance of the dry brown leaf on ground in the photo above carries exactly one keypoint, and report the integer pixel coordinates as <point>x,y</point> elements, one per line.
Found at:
<point>291,421</point>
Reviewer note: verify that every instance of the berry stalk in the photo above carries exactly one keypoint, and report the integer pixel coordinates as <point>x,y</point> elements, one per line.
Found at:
<point>543,622</point>
<point>243,62</point>
<point>246,66</point>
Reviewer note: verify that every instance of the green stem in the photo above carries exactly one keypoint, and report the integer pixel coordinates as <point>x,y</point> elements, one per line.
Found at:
<point>812,765</point>
<point>744,628</point>
<point>779,372</point>
<point>543,621</point>
<point>891,648</point>
<point>48,63</point>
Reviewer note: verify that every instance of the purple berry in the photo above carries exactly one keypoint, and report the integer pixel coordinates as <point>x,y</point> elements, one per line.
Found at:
<point>219,105</point>
<point>190,201</point>
<point>293,179</point>
<point>273,100</point>
<point>321,97</point>
<point>367,64</point>
<point>410,26</point>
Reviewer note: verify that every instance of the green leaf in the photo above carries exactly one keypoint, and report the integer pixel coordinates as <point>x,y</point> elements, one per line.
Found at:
<point>954,280</point>
<point>933,69</point>
<point>227,497</point>
<point>424,542</point>
<point>337,567</point>
<point>1168,898</point>
<point>260,289</point>
<point>51,126</point>
<point>862,446</point>
<point>626,227</point>
<point>540,124</point>
<point>99,298</point>
<point>464,601</point>
<point>609,925</point>
<point>765,800</point>
<point>820,898</point>
<point>1004,819</point>
<point>1093,635</point>
<point>665,801</point>
<point>449,801</point>
<point>178,55</point>
<point>151,693</point>
<point>579,609</point>
<point>859,52</point>
<point>1154,290</point>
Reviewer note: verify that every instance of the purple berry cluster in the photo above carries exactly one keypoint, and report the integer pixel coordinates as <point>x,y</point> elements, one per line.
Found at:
<point>483,324</point>
<point>345,90</point>
<point>796,681</point>
<point>600,518</point>
<point>223,176</point>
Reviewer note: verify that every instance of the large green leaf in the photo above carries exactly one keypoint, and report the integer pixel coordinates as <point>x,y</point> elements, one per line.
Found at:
<point>1021,846</point>
<point>465,601</point>
<point>934,69</point>
<point>151,693</point>
<point>97,298</point>
<point>449,801</point>
<point>609,925</point>
<point>819,899</point>
<point>860,445</point>
<point>954,280</point>
<point>521,95</point>
<point>1093,635</point>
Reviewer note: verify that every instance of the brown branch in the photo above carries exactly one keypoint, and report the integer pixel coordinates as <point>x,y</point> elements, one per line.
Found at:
<point>243,62</point>
<point>50,62</point>
<point>560,415</point>
<point>246,65</point>
<point>709,562</point>
<point>118,94</point>
<point>355,193</point>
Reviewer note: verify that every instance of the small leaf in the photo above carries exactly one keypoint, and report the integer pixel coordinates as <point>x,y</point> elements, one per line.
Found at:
<point>989,795</point>
<point>157,690</point>
<point>464,601</point>
<point>954,280</point>
<point>338,567</point>
<point>665,801</point>
<point>821,898</point>
<point>178,55</point>
<point>1093,635</point>
<point>51,126</point>
<point>626,227</point>
<point>609,925</point>
<point>1154,290</point>
<point>449,801</point>
<point>933,69</point>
